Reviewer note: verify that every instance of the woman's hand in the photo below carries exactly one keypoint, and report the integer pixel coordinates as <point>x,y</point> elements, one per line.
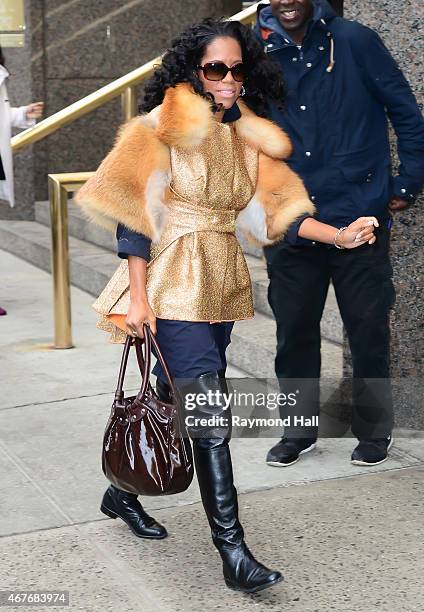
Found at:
<point>140,312</point>
<point>359,232</point>
<point>35,110</point>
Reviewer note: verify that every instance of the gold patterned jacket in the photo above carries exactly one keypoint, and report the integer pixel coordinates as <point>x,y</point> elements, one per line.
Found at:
<point>186,181</point>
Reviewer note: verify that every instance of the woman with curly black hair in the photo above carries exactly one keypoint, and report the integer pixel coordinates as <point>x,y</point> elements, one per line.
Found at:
<point>262,82</point>
<point>176,181</point>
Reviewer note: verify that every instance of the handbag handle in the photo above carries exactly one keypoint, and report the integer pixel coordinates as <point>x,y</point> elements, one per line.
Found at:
<point>143,365</point>
<point>143,362</point>
<point>162,362</point>
<point>151,339</point>
<point>146,363</point>
<point>119,394</point>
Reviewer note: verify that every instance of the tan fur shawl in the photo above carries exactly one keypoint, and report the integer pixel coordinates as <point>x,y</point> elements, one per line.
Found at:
<point>131,184</point>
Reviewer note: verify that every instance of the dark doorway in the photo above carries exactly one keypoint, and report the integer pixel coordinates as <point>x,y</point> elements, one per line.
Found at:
<point>337,6</point>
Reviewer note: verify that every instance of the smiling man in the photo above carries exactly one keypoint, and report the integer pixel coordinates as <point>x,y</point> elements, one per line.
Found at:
<point>293,16</point>
<point>343,86</point>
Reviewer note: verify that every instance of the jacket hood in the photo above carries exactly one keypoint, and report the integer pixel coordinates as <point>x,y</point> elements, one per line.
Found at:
<point>322,10</point>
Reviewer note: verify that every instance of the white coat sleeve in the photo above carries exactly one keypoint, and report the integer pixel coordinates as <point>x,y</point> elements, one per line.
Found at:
<point>19,119</point>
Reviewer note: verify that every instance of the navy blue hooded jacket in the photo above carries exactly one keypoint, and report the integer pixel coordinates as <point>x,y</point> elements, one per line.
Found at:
<point>336,116</point>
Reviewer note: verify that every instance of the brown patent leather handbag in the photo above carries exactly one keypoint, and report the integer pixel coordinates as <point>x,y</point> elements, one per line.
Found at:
<point>145,447</point>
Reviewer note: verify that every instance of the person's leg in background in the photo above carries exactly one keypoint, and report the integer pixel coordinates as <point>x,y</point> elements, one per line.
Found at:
<point>195,355</point>
<point>365,293</point>
<point>299,280</point>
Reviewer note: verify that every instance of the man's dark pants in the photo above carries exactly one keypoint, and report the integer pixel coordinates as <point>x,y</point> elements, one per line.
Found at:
<point>362,278</point>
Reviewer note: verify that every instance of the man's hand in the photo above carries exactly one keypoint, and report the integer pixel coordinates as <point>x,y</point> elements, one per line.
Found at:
<point>35,110</point>
<point>397,204</point>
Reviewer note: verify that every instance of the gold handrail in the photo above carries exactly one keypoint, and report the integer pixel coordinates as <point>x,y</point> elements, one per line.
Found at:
<point>123,86</point>
<point>84,106</point>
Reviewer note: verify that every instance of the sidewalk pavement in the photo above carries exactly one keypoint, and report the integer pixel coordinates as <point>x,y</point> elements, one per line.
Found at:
<point>346,538</point>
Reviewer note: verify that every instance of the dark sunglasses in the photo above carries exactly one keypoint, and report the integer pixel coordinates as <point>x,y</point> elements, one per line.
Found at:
<point>216,71</point>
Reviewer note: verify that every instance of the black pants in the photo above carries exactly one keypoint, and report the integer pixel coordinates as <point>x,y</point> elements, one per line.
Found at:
<point>362,278</point>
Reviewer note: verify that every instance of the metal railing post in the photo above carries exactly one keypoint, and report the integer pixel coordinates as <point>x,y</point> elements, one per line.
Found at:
<point>60,264</point>
<point>129,103</point>
<point>60,185</point>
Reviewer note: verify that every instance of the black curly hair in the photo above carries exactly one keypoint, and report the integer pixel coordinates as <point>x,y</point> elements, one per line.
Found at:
<point>264,82</point>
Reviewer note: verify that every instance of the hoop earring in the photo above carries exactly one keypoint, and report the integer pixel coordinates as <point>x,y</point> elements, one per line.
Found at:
<point>243,91</point>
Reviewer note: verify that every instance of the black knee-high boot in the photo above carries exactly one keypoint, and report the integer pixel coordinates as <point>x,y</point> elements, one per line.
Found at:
<point>219,496</point>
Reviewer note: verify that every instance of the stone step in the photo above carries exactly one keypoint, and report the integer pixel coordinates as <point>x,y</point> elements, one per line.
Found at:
<point>253,344</point>
<point>331,323</point>
<point>253,341</point>
<point>90,266</point>
<point>78,225</point>
<point>83,230</point>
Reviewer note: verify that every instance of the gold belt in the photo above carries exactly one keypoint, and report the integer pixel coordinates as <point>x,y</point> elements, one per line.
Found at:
<point>198,218</point>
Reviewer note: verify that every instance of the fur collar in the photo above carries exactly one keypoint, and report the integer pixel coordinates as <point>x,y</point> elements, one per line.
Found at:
<point>132,184</point>
<point>185,119</point>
